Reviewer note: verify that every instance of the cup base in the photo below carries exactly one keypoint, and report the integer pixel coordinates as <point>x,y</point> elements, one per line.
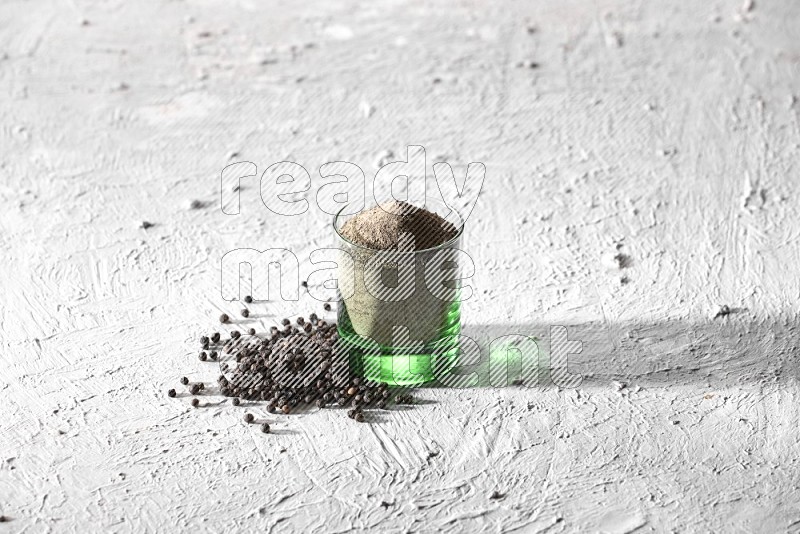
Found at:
<point>402,366</point>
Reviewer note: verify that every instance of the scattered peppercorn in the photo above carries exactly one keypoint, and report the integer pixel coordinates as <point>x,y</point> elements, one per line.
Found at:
<point>265,428</point>
<point>249,418</point>
<point>203,356</point>
<point>195,402</point>
<point>224,318</point>
<point>304,283</point>
<point>171,393</point>
<point>248,299</point>
<point>290,366</point>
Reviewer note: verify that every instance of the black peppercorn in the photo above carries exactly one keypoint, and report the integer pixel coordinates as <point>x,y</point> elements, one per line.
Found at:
<point>195,389</point>
<point>271,407</point>
<point>252,331</point>
<point>213,355</point>
<point>307,328</point>
<point>351,414</point>
<point>236,401</point>
<point>224,318</point>
<point>235,334</point>
<point>184,381</point>
<point>313,317</point>
<point>382,404</point>
<point>304,283</point>
<point>249,418</point>
<point>203,340</point>
<point>300,321</point>
<point>245,312</point>
<point>320,403</point>
<point>286,322</point>
<point>265,428</point>
<point>203,356</point>
<point>248,299</point>
<point>171,393</point>
<point>359,417</point>
<point>195,402</point>
<point>215,337</point>
<point>326,307</point>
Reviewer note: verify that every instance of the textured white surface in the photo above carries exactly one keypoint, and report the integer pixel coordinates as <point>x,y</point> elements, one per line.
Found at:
<point>668,127</point>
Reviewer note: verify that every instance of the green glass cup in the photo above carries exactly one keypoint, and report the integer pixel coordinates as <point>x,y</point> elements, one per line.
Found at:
<point>399,311</point>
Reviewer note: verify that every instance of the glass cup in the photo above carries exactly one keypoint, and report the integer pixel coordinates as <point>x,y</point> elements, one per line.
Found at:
<point>399,311</point>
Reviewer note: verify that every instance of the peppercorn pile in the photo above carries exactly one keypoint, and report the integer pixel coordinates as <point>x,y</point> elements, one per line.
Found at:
<point>290,368</point>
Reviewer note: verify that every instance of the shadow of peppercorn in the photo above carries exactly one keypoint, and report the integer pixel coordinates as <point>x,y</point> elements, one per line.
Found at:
<point>417,402</point>
<point>376,416</point>
<point>284,432</point>
<point>240,320</point>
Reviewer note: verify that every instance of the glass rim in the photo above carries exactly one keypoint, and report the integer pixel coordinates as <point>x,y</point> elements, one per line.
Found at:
<point>446,244</point>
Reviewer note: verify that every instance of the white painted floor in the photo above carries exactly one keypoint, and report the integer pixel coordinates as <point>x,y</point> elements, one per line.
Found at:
<point>664,131</point>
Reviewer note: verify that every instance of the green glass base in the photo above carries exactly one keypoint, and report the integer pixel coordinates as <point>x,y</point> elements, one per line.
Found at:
<point>401,366</point>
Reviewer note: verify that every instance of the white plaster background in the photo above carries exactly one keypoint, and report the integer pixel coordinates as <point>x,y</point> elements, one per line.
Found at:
<point>670,127</point>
